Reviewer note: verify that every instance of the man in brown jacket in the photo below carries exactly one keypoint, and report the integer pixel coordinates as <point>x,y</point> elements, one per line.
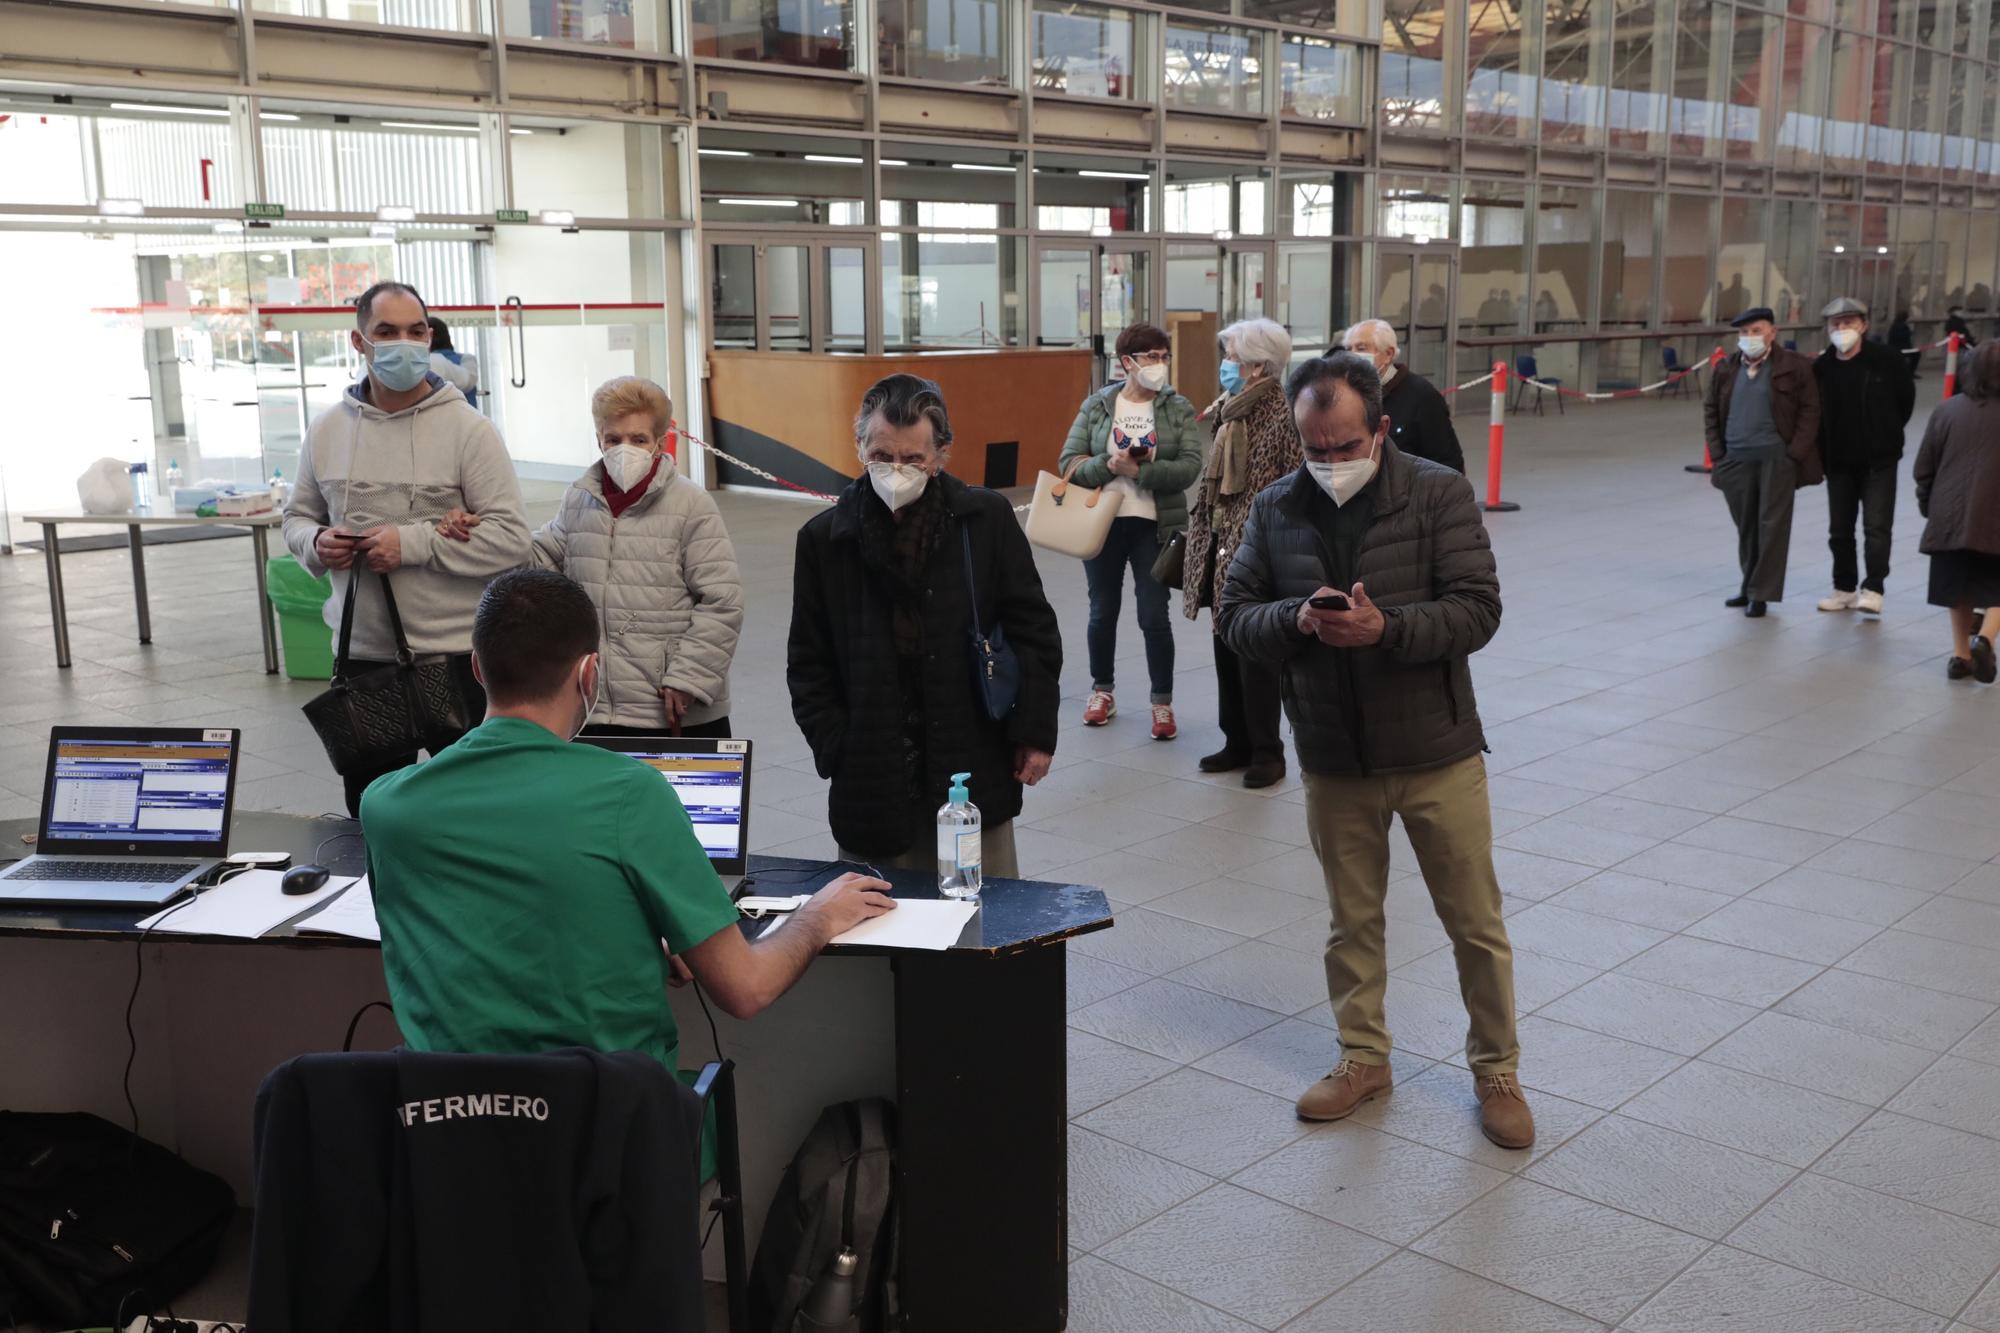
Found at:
<point>1761,417</point>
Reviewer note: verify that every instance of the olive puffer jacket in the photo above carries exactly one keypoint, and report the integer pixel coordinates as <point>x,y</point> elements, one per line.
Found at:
<point>1175,464</point>
<point>666,583</point>
<point>1406,703</point>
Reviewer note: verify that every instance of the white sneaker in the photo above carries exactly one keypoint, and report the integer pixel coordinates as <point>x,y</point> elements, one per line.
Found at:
<point>1870,601</point>
<point>1837,601</point>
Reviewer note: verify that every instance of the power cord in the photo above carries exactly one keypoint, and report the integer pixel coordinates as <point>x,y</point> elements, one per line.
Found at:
<point>355,1022</point>
<point>319,852</point>
<point>138,976</point>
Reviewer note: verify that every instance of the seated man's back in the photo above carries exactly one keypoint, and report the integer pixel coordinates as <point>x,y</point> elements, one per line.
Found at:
<point>523,884</point>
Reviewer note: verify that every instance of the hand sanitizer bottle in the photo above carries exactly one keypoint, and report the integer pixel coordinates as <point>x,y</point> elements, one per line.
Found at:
<point>958,842</point>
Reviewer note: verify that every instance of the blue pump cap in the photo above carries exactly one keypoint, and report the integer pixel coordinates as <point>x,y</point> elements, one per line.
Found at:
<point>957,794</point>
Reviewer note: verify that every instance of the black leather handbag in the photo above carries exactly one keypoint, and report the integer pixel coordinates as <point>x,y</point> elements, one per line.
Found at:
<point>996,670</point>
<point>372,721</point>
<point>1170,567</point>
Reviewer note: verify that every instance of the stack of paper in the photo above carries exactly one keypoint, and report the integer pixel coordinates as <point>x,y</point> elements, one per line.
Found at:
<point>917,923</point>
<point>352,914</point>
<point>243,907</point>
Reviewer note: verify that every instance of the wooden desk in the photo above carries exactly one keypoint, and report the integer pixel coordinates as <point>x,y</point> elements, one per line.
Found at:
<point>969,1042</point>
<point>133,522</point>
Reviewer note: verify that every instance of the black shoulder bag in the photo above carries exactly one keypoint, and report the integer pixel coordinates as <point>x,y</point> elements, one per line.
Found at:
<point>369,721</point>
<point>996,671</point>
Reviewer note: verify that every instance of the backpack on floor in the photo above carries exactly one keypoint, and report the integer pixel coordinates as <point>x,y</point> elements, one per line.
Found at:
<point>96,1223</point>
<point>838,1193</point>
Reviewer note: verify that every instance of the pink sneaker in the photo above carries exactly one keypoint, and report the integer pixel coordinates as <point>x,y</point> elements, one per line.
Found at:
<point>1099,708</point>
<point>1163,723</point>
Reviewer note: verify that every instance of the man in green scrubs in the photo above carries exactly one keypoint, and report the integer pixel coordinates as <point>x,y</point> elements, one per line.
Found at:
<point>525,886</point>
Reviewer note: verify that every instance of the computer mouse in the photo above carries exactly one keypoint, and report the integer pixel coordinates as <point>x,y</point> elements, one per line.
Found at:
<point>304,879</point>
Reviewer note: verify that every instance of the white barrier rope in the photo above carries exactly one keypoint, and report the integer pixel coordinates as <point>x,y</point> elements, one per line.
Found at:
<point>773,477</point>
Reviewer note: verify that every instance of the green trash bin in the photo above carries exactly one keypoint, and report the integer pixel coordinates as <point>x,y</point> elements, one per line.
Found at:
<point>300,601</point>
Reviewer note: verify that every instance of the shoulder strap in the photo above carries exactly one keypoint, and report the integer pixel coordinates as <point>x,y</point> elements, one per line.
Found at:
<point>971,588</point>
<point>354,573</point>
<point>396,623</point>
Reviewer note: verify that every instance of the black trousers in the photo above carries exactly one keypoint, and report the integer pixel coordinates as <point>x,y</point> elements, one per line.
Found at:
<point>1870,494</point>
<point>718,730</point>
<point>475,708</point>
<point>1248,697</point>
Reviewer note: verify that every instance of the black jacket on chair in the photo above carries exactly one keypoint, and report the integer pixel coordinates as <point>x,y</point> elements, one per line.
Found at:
<point>413,1193</point>
<point>841,665</point>
<point>1406,703</point>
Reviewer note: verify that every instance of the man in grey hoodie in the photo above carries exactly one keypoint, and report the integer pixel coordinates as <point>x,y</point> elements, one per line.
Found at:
<point>402,449</point>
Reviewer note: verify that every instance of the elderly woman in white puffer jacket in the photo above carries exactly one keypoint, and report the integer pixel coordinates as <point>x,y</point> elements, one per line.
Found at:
<point>649,547</point>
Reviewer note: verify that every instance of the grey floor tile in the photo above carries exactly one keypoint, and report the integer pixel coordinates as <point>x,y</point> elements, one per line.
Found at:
<point>1580,937</point>
<point>1430,1022</point>
<point>1260,973</point>
<point>1153,942</point>
<point>1825,892</point>
<point>1644,902</point>
<point>1807,811</point>
<point>1128,878</point>
<point>1894,865</point>
<point>1749,837</point>
<point>1232,905</point>
<point>1946,965</point>
<point>1786,931</point>
<point>1209,1123</point>
<point>1578,837</point>
<point>1629,814</point>
<point>1113,824</point>
<point>1825,1059</point>
<point>1564,770</point>
<point>1088,980</point>
<point>1664,1017</point>
<point>1934,1165</point>
<point>1532,876</point>
<point>1964,1094</point>
<point>1171,1020</point>
<point>1287,1058</point>
<point>1960,919</point>
<point>1297,872</point>
<point>1889,1011</point>
<point>1930,833</point>
<point>1536,798</point>
<point>1690,792</point>
<point>1984,1312</point>
<point>1728,1291</point>
<point>1684,1182</point>
<point>1747,1112</point>
<point>1100,1070</point>
<point>1722,970</point>
<point>1104,1298</point>
<point>1538,978</point>
<point>1569,1251</point>
<point>1388,1187</point>
<point>1213,850</point>
<point>1410,1293</point>
<point>1982,1043</point>
<point>1245,1254</point>
<point>1983,884</point>
<point>1113,1188</point>
<point>1904,1251</point>
<point>1438,1109</point>
<point>1584,1066</point>
<point>1703,868</point>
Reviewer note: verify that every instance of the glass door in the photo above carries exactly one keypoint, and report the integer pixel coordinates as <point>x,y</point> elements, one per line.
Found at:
<point>1245,267</point>
<point>1414,289</point>
<point>780,293</point>
<point>1088,292</point>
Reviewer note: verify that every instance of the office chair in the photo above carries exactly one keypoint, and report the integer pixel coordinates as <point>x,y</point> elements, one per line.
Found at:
<point>1670,361</point>
<point>1524,370</point>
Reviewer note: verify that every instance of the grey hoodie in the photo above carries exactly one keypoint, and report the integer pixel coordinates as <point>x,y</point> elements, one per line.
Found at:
<point>364,468</point>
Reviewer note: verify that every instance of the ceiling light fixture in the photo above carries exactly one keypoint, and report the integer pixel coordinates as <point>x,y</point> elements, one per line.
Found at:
<point>121,208</point>
<point>894,162</point>
<point>1117,175</point>
<point>833,157</point>
<point>980,166</point>
<point>760,203</point>
<point>419,125</point>
<point>396,213</point>
<point>558,217</point>
<point>722,152</point>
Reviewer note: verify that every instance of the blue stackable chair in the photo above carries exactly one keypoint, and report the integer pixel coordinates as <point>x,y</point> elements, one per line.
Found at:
<point>1671,361</point>
<point>1524,370</point>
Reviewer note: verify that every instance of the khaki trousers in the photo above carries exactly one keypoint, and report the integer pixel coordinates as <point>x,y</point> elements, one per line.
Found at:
<point>1450,824</point>
<point>997,858</point>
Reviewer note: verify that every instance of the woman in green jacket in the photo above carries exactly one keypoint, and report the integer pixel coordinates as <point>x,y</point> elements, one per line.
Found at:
<point>1136,436</point>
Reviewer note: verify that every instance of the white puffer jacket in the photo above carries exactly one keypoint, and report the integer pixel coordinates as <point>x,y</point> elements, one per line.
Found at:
<point>665,580</point>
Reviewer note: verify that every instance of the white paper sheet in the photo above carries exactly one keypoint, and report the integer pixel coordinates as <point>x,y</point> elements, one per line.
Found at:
<point>917,923</point>
<point>244,907</point>
<point>352,914</point>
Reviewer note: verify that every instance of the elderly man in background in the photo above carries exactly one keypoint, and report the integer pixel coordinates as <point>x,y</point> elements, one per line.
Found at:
<point>1368,579</point>
<point>1865,397</point>
<point>400,451</point>
<point>1419,417</point>
<point>880,661</point>
<point>1761,420</point>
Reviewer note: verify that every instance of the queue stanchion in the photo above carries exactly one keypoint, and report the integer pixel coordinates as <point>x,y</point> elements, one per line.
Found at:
<point>1951,345</point>
<point>1496,430</point>
<point>1707,463</point>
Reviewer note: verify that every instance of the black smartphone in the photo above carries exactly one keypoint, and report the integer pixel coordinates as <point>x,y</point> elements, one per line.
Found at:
<point>347,536</point>
<point>1333,601</point>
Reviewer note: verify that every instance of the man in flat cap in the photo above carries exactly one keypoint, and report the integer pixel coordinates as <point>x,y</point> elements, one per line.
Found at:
<point>1761,417</point>
<point>1865,395</point>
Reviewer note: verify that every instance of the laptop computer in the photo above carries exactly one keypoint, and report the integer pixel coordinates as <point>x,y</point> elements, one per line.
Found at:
<point>712,778</point>
<point>131,816</point>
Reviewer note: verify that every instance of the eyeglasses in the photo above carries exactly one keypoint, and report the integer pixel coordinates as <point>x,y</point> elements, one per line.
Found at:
<point>1152,358</point>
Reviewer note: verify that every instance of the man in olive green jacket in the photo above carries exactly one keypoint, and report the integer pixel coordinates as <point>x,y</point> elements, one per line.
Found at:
<point>1137,438</point>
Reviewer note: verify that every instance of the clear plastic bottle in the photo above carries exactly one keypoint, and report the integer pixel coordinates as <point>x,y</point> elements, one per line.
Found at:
<point>142,486</point>
<point>281,490</point>
<point>958,842</point>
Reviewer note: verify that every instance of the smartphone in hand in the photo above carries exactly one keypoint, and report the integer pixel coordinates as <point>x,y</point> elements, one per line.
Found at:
<point>1333,601</point>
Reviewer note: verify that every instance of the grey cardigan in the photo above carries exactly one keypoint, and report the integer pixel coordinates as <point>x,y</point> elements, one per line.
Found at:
<point>664,577</point>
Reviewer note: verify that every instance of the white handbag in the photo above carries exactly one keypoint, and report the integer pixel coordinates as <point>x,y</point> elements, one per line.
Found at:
<point>1073,520</point>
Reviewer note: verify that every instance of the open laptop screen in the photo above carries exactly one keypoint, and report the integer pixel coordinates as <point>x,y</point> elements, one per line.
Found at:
<point>712,779</point>
<point>138,790</point>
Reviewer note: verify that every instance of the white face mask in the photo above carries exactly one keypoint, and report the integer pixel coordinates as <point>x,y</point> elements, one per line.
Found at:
<point>1151,378</point>
<point>1343,481</point>
<point>1751,346</point>
<point>589,698</point>
<point>898,483</point>
<point>626,464</point>
<point>1845,339</point>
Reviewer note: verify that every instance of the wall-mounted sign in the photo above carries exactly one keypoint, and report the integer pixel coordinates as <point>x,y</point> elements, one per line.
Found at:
<point>263,210</point>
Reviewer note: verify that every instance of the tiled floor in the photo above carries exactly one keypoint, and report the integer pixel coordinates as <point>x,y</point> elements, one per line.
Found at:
<point>1751,878</point>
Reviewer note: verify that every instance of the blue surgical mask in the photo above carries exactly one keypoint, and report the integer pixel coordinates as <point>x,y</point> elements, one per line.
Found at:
<point>401,366</point>
<point>1231,375</point>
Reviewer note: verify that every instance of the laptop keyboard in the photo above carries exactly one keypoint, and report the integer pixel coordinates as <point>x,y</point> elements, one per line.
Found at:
<point>123,872</point>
